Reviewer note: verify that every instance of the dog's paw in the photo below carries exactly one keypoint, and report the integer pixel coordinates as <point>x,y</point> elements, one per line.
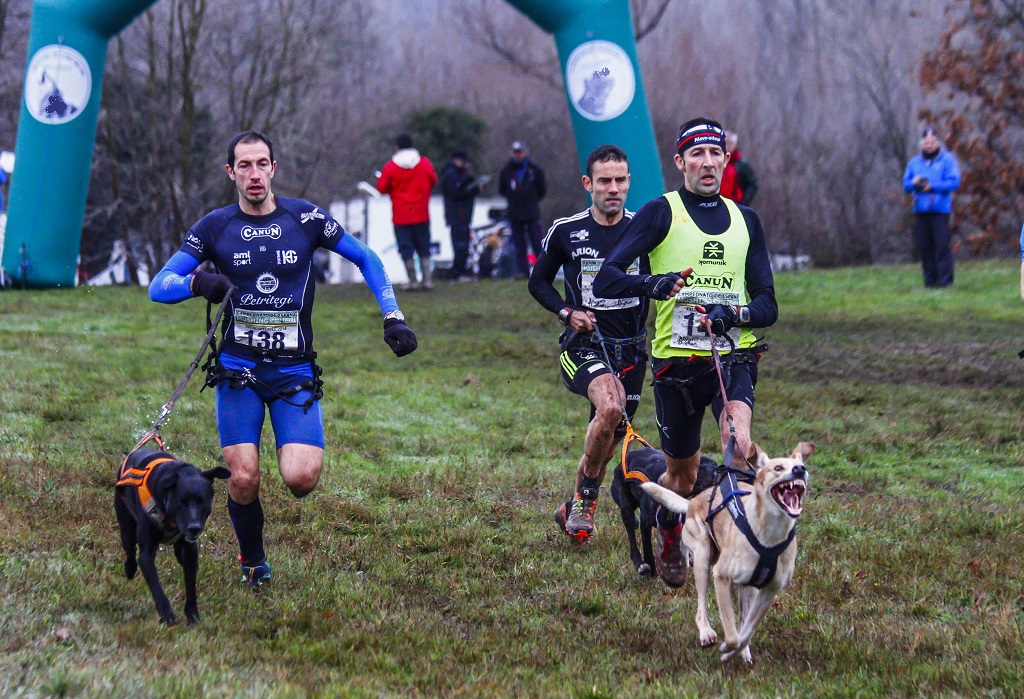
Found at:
<point>193,618</point>
<point>708,638</point>
<point>747,657</point>
<point>130,568</point>
<point>727,651</point>
<point>645,570</point>
<point>169,619</point>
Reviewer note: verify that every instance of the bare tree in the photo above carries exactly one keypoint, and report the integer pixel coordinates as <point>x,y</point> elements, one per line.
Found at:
<point>975,81</point>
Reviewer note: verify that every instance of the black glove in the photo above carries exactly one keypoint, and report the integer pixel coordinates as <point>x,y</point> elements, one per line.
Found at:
<point>399,336</point>
<point>921,185</point>
<point>722,318</point>
<point>212,287</point>
<point>659,286</point>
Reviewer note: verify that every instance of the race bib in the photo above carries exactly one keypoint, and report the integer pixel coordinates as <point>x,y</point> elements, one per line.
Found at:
<point>589,267</point>
<point>687,322</point>
<point>268,330</point>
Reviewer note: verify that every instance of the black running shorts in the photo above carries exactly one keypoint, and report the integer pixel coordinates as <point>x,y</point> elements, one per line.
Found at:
<point>582,364</point>
<point>680,429</point>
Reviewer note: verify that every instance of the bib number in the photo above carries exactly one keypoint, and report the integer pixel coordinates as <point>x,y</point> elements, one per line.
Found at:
<point>267,330</point>
<point>688,323</point>
<point>589,267</point>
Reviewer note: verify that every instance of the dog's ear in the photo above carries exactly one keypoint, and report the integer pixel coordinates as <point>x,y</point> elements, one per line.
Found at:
<point>803,451</point>
<point>757,456</point>
<point>218,472</point>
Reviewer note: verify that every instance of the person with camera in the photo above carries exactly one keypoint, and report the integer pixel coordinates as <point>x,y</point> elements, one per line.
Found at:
<point>932,176</point>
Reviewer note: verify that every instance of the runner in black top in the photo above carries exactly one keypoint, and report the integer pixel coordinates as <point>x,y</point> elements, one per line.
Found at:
<point>708,260</point>
<point>577,245</point>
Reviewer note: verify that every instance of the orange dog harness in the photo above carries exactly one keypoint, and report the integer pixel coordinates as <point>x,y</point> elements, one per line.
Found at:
<point>138,477</point>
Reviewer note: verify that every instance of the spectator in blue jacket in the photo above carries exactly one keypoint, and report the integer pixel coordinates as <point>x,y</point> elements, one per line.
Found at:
<point>1022,264</point>
<point>933,175</point>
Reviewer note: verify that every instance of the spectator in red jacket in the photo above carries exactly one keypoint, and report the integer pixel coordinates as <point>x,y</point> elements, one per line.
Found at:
<point>739,182</point>
<point>408,178</point>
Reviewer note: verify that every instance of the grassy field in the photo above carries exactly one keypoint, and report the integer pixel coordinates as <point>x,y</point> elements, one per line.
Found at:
<point>426,562</point>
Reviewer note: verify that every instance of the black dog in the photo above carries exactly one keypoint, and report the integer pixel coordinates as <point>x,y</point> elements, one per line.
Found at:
<point>160,500</point>
<point>647,463</point>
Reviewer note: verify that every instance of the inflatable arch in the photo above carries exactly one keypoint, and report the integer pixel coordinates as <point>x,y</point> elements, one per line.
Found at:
<point>67,50</point>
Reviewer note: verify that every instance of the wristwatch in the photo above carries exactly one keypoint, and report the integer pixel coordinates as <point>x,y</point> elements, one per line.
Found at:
<point>744,313</point>
<point>394,315</point>
<point>564,315</point>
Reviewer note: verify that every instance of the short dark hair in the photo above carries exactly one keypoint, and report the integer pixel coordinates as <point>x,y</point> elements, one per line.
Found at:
<point>603,154</point>
<point>248,137</point>
<point>403,140</point>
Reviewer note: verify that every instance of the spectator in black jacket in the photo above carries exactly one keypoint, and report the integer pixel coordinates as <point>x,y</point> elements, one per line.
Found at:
<point>460,189</point>
<point>522,183</point>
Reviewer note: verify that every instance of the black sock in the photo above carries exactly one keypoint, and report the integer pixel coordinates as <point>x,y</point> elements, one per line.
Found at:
<point>667,519</point>
<point>591,486</point>
<point>248,523</point>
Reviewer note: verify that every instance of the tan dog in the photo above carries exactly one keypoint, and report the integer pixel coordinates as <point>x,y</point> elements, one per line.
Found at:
<point>770,507</point>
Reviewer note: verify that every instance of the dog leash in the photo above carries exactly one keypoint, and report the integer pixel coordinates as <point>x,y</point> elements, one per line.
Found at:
<point>154,433</point>
<point>631,435</point>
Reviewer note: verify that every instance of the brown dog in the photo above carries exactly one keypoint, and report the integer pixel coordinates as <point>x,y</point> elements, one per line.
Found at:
<point>748,533</point>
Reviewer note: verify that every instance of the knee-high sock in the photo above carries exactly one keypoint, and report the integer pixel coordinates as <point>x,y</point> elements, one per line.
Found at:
<point>248,523</point>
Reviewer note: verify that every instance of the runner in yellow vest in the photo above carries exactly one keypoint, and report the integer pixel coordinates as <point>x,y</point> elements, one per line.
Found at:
<point>708,258</point>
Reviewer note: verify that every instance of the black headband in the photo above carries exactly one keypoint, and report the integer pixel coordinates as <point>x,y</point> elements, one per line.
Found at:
<point>700,135</point>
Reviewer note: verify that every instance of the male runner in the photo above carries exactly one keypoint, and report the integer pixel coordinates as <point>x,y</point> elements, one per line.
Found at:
<point>578,244</point>
<point>264,246</point>
<point>730,284</point>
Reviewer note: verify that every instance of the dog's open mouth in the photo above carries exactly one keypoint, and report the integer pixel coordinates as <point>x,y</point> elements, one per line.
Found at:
<point>790,495</point>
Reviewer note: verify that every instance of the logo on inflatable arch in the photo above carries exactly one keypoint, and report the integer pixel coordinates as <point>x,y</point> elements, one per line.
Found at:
<point>600,79</point>
<point>58,84</point>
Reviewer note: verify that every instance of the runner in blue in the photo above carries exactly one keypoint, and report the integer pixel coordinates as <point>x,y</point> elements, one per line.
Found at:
<point>264,246</point>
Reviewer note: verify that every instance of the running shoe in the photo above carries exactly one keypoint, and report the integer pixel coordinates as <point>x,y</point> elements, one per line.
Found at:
<point>255,576</point>
<point>669,558</point>
<point>562,514</point>
<point>580,522</point>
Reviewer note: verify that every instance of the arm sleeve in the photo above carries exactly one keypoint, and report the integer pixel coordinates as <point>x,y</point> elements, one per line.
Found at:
<point>503,184</point>
<point>372,270</point>
<point>644,233</point>
<point>384,181</point>
<point>764,310</point>
<point>542,184</point>
<point>748,182</point>
<point>950,181</point>
<point>541,284</point>
<point>908,178</point>
<point>172,283</point>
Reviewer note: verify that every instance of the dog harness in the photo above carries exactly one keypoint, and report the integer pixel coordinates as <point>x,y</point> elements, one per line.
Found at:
<point>138,478</point>
<point>767,556</point>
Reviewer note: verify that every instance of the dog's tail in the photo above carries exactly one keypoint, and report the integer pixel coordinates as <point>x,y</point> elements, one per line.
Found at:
<point>674,502</point>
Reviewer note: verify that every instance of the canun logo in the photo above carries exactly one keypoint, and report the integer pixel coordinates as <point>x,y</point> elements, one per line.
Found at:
<point>710,281</point>
<point>273,232</point>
